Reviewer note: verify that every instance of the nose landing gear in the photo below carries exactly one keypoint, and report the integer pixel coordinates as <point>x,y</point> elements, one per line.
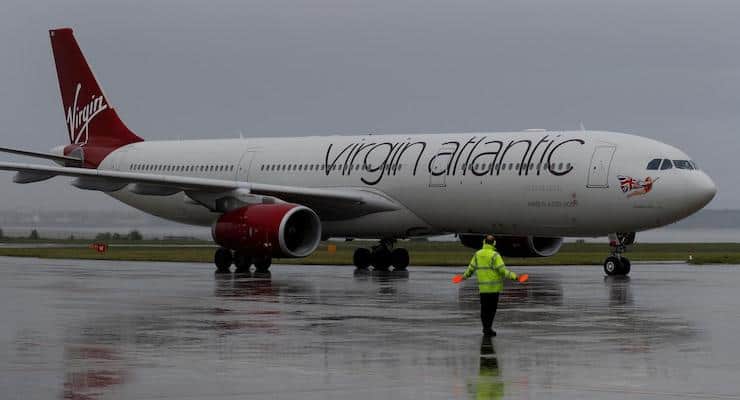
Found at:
<point>616,263</point>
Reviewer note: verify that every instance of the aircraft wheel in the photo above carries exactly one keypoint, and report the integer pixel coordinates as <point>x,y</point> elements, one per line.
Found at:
<point>242,261</point>
<point>626,266</point>
<point>262,263</point>
<point>612,266</point>
<point>362,258</point>
<point>381,258</point>
<point>223,260</point>
<point>400,259</point>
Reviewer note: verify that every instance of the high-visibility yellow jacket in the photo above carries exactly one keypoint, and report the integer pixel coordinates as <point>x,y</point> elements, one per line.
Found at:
<point>489,267</point>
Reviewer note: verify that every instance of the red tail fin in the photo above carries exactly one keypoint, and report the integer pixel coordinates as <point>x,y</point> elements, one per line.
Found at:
<point>94,128</point>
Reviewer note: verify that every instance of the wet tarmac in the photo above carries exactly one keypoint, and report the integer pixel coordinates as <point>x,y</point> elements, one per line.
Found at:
<point>124,330</point>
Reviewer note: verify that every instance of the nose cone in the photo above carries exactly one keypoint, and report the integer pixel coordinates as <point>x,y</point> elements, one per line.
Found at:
<point>701,191</point>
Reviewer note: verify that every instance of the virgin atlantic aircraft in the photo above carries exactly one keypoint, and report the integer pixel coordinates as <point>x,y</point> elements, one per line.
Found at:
<point>279,197</point>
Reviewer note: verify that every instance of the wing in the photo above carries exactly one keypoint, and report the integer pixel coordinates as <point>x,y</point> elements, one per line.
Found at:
<point>216,194</point>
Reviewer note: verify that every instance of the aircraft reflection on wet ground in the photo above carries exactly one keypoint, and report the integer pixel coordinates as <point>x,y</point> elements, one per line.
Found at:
<point>94,330</point>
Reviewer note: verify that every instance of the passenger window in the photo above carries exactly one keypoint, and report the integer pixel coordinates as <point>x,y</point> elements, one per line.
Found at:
<point>654,163</point>
<point>667,164</point>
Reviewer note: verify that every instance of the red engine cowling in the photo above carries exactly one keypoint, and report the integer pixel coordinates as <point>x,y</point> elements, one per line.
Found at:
<point>278,230</point>
<point>517,246</point>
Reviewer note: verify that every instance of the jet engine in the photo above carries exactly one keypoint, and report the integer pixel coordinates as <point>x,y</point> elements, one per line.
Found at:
<point>278,230</point>
<point>518,246</point>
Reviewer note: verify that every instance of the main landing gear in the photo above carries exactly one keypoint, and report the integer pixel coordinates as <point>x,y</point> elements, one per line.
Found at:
<point>382,256</point>
<point>617,264</point>
<point>242,261</point>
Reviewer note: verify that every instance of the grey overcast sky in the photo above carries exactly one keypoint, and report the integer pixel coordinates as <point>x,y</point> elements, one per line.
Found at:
<point>668,70</point>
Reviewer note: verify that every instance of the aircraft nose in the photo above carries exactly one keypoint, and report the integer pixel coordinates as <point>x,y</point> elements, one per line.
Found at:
<point>702,190</point>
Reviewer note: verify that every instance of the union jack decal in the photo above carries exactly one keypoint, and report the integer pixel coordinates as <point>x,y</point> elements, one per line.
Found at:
<point>635,187</point>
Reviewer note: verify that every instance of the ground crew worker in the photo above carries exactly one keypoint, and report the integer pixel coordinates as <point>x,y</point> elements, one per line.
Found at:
<point>489,268</point>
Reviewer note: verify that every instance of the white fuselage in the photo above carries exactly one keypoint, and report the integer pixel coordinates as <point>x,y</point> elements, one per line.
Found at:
<point>578,183</point>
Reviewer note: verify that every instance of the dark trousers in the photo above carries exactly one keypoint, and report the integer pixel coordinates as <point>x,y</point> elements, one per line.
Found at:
<point>488,306</point>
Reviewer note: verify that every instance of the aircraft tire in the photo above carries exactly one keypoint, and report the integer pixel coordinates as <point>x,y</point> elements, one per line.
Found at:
<point>612,266</point>
<point>223,259</point>
<point>262,263</point>
<point>626,266</point>
<point>400,259</point>
<point>242,261</point>
<point>362,258</point>
<point>381,258</point>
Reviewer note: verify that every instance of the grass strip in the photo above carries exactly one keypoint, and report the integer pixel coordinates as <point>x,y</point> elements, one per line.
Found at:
<point>422,253</point>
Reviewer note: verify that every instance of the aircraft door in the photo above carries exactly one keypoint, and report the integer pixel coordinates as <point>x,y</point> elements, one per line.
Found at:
<point>598,171</point>
<point>118,159</point>
<point>440,165</point>
<point>242,173</point>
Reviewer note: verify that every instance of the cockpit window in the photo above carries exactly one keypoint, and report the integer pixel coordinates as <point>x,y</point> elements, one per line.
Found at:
<point>667,164</point>
<point>693,164</point>
<point>654,163</point>
<point>683,164</point>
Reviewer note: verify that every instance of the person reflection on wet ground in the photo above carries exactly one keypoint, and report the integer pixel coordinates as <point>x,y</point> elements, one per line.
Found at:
<point>488,384</point>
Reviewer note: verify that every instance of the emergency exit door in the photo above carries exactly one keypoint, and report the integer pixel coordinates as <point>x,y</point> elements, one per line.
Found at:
<point>598,171</point>
<point>245,164</point>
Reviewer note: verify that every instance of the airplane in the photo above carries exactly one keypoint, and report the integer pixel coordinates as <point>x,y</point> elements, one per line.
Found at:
<point>279,197</point>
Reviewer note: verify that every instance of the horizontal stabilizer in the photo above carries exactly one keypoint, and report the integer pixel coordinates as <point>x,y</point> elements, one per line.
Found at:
<point>64,160</point>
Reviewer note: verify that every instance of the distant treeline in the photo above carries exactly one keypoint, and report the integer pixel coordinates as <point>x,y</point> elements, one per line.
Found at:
<point>133,235</point>
<point>107,236</point>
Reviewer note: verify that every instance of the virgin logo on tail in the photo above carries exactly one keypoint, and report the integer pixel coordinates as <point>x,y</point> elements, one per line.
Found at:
<point>79,118</point>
